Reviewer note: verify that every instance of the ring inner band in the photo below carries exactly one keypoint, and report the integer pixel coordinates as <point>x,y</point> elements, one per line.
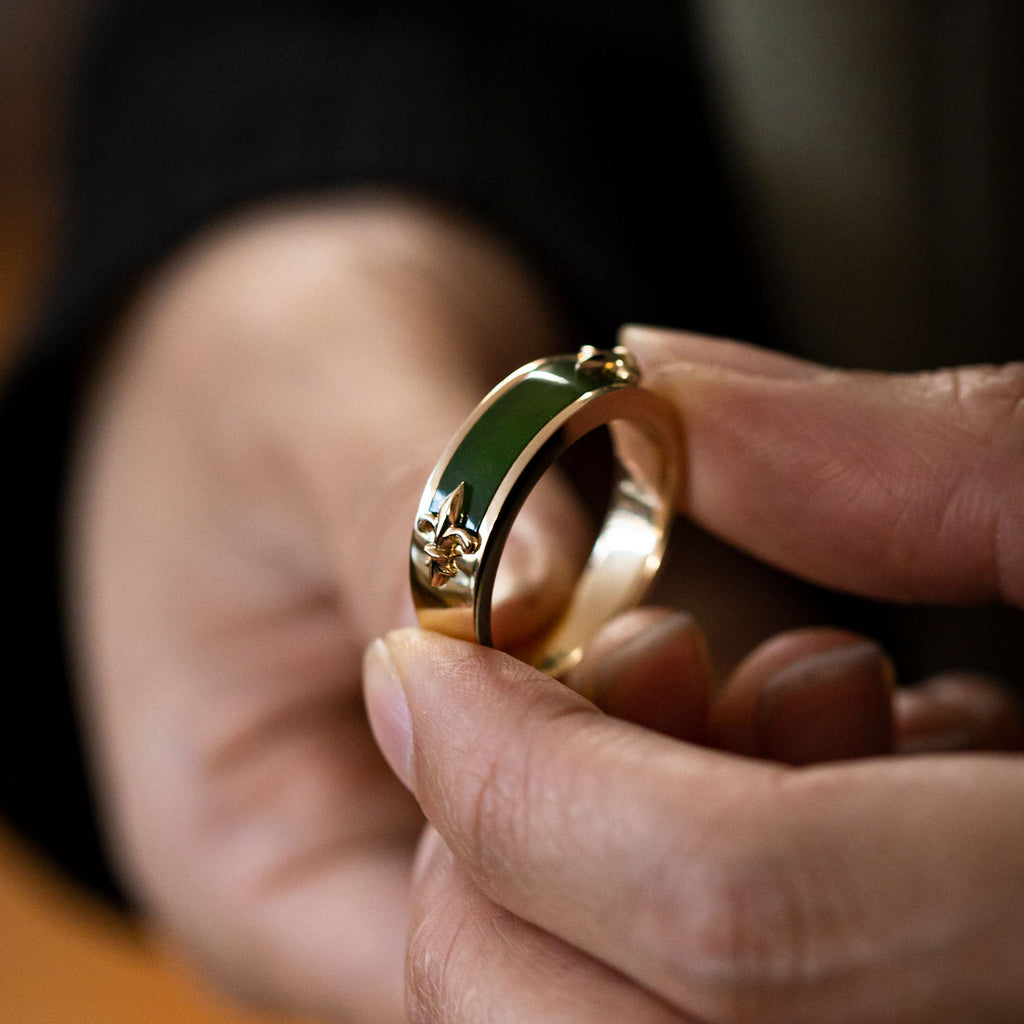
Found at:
<point>483,478</point>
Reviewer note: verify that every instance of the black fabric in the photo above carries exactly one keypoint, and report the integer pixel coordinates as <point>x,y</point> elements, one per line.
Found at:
<point>576,128</point>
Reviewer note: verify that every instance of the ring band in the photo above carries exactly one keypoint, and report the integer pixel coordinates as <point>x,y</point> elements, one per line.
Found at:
<point>508,442</point>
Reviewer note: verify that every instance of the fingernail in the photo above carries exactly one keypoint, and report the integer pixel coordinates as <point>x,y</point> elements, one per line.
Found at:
<point>661,648</point>
<point>652,345</point>
<point>388,710</point>
<point>831,705</point>
<point>648,334</point>
<point>663,679</point>
<point>683,351</point>
<point>928,723</point>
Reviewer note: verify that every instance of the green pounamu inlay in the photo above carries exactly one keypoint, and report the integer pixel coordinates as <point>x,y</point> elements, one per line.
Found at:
<point>498,437</point>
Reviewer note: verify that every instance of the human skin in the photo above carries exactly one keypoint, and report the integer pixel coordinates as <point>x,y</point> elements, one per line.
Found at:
<point>586,869</point>
<point>256,437</point>
<point>248,466</point>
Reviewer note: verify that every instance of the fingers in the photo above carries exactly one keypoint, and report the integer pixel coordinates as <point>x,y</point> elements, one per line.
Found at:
<point>894,486</point>
<point>729,888</point>
<point>803,697</point>
<point>958,711</point>
<point>806,696</point>
<point>652,667</point>
<point>491,737</point>
<point>470,960</point>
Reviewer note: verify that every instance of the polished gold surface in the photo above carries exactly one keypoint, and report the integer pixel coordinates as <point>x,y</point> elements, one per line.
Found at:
<point>616,364</point>
<point>453,584</point>
<point>448,541</point>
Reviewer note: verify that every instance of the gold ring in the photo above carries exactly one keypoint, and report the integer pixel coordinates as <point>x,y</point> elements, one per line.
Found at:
<point>508,442</point>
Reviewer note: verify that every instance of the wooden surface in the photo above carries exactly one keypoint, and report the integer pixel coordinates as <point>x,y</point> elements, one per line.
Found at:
<point>67,960</point>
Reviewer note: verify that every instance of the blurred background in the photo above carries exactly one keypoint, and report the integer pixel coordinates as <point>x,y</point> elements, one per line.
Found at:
<point>63,958</point>
<point>37,42</point>
<point>936,265</point>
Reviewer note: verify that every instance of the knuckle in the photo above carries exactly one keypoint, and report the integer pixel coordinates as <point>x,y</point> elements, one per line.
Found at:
<point>744,934</point>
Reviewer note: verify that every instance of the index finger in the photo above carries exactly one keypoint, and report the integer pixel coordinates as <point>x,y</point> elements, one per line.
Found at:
<point>895,486</point>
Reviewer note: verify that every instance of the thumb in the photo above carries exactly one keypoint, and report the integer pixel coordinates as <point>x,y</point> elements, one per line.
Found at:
<point>878,889</point>
<point>895,486</point>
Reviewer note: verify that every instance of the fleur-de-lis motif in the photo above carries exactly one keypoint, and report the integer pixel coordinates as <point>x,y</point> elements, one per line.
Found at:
<point>615,364</point>
<point>450,540</point>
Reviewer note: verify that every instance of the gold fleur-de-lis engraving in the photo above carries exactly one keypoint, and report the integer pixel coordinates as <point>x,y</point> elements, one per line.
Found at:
<point>450,540</point>
<point>615,364</point>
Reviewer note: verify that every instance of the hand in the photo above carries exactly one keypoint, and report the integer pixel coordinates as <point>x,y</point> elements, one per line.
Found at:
<point>251,459</point>
<point>588,869</point>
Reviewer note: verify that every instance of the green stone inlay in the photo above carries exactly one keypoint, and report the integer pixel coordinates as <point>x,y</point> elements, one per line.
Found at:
<point>498,437</point>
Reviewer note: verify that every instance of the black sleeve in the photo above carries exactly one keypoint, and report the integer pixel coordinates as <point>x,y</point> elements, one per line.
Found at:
<point>573,127</point>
